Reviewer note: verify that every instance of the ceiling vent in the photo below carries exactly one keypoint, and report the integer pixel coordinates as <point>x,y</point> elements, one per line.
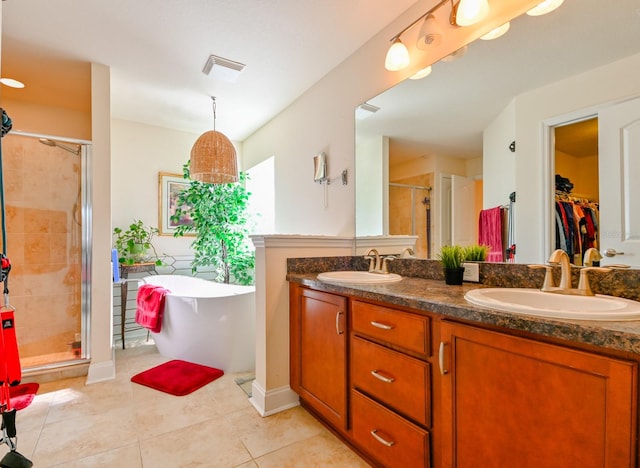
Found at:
<point>222,69</point>
<point>365,110</point>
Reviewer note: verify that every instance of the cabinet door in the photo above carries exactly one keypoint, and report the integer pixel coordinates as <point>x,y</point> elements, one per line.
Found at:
<point>510,401</point>
<point>318,351</point>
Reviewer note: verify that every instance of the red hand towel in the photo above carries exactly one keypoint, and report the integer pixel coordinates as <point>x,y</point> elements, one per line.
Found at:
<point>490,232</point>
<point>150,303</point>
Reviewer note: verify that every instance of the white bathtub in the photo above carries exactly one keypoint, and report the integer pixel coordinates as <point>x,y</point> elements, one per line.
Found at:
<point>208,323</point>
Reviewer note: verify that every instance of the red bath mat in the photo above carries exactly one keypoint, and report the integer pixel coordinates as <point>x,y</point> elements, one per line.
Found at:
<point>177,377</point>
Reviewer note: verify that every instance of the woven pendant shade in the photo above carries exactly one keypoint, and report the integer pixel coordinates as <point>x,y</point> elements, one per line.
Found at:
<point>213,157</point>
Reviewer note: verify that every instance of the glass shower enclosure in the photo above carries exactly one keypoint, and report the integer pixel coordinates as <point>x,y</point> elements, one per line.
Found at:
<point>47,209</point>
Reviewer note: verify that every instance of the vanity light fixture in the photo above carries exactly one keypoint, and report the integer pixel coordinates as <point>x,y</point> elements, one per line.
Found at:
<point>497,32</point>
<point>430,33</point>
<point>213,157</point>
<point>468,12</point>
<point>547,6</point>
<point>463,13</point>
<point>456,54</point>
<point>421,73</point>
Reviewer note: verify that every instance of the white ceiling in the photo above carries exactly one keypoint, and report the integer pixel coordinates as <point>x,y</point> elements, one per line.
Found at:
<point>446,112</point>
<point>156,50</point>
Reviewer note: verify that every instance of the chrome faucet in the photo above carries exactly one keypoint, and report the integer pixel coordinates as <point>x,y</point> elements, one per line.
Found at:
<point>590,256</point>
<point>374,262</point>
<point>385,260</point>
<point>378,264</point>
<point>584,289</point>
<point>408,253</point>
<point>559,256</point>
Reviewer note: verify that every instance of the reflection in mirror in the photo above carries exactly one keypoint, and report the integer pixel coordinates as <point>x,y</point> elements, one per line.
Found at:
<point>576,155</point>
<point>429,137</point>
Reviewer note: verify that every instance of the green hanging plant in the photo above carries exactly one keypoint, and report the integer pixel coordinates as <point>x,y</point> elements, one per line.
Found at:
<point>221,225</point>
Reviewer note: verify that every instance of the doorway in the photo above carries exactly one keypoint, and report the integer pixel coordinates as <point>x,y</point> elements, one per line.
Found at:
<point>576,188</point>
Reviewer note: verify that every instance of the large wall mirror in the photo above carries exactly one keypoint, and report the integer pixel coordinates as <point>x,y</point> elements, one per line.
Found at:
<point>432,153</point>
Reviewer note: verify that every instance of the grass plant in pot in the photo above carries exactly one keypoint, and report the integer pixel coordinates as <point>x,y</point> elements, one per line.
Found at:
<point>221,224</point>
<point>451,257</point>
<point>134,244</point>
<point>476,253</point>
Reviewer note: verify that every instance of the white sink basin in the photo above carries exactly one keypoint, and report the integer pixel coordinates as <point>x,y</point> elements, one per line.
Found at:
<point>536,302</point>
<point>358,277</point>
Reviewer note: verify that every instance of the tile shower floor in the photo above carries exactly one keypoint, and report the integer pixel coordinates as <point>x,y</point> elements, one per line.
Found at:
<point>125,425</point>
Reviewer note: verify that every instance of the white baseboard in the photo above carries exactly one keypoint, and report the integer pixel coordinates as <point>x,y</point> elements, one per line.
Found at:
<point>272,401</point>
<point>102,371</point>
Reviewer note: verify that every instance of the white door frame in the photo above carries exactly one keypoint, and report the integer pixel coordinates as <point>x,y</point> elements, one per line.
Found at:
<point>548,167</point>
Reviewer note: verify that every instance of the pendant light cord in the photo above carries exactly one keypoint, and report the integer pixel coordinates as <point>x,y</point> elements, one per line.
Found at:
<point>213,98</point>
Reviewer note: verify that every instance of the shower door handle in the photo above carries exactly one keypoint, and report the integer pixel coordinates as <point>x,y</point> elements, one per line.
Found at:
<point>338,331</point>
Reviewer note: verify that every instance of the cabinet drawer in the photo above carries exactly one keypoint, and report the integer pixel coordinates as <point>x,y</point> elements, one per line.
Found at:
<point>390,439</point>
<point>408,331</point>
<point>399,381</point>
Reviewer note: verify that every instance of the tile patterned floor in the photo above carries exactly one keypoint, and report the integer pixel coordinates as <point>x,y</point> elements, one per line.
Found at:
<point>125,425</point>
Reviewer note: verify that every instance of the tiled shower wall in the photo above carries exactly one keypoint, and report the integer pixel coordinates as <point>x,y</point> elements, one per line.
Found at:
<point>44,244</point>
<point>401,210</point>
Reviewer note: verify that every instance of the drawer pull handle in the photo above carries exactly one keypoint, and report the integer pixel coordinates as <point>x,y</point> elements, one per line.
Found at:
<point>443,371</point>
<point>388,443</point>
<point>338,331</point>
<point>383,326</point>
<point>382,377</point>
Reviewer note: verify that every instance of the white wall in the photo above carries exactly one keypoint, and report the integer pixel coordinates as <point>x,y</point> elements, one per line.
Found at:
<point>616,81</point>
<point>102,365</point>
<point>139,152</point>
<point>322,119</point>
<point>499,163</point>
<point>372,159</point>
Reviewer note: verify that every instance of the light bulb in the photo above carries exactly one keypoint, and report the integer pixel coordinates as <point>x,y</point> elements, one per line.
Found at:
<point>547,6</point>
<point>397,56</point>
<point>496,33</point>
<point>421,73</point>
<point>470,12</point>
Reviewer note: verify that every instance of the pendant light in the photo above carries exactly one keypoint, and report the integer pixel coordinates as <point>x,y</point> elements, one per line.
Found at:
<point>213,157</point>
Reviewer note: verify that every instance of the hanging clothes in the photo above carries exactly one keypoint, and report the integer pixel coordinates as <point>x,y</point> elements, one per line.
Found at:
<point>490,229</point>
<point>576,225</point>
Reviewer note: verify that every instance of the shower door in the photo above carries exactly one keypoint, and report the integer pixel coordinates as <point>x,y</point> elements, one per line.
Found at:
<point>45,206</point>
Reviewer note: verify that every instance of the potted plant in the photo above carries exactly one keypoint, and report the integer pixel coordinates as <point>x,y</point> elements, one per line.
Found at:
<point>221,224</point>
<point>476,253</point>
<point>134,243</point>
<point>451,257</point>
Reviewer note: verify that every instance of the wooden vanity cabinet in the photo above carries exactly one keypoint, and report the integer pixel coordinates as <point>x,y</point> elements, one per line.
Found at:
<point>512,401</point>
<point>318,359</point>
<point>390,384</point>
<point>415,389</point>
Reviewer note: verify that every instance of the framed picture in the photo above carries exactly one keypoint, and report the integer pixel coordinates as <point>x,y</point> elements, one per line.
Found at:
<point>169,187</point>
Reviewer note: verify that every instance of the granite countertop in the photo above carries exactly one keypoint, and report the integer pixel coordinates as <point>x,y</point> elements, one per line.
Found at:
<point>448,301</point>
